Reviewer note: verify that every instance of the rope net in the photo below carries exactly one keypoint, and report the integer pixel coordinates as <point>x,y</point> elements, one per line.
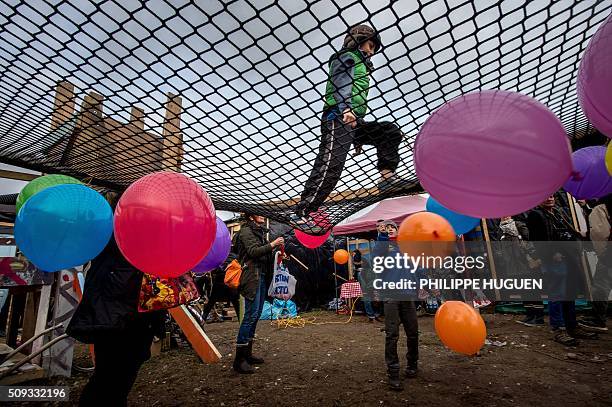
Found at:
<point>231,92</point>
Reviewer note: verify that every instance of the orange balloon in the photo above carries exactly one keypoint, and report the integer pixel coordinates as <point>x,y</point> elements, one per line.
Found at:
<point>460,327</point>
<point>427,233</point>
<point>341,256</point>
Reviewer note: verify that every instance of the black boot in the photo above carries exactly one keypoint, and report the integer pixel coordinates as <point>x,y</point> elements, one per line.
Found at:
<point>253,360</point>
<point>241,365</point>
<point>394,381</point>
<point>412,370</point>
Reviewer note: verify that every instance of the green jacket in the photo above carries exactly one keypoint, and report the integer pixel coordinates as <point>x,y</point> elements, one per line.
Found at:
<point>348,83</point>
<point>255,256</point>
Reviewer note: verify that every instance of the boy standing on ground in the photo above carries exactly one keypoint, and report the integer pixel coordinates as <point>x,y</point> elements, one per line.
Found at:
<point>342,122</point>
<point>398,311</point>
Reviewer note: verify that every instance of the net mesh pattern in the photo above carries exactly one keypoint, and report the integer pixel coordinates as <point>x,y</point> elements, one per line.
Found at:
<point>231,92</point>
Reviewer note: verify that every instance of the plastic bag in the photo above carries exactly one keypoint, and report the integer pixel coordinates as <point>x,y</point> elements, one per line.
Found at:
<point>283,283</point>
<point>278,309</point>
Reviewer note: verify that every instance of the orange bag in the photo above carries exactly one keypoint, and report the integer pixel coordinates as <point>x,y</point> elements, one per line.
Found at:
<point>233,271</point>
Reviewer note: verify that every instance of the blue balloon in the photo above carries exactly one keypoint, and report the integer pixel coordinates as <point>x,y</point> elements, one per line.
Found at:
<point>460,223</point>
<point>63,226</point>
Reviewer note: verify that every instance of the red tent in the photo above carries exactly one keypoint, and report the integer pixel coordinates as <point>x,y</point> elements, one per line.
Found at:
<point>395,209</point>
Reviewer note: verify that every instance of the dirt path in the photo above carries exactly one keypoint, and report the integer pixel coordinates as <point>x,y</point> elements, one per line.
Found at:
<point>343,365</point>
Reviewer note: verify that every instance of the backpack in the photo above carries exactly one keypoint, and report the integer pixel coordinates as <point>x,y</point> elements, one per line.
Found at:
<point>233,271</point>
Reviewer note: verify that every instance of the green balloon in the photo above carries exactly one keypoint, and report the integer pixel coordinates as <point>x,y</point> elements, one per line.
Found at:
<point>38,184</point>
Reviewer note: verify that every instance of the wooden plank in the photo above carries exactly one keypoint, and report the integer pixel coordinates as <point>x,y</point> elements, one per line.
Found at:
<point>15,311</point>
<point>63,106</point>
<point>583,259</point>
<point>41,320</point>
<point>57,360</point>
<point>16,175</point>
<point>29,318</point>
<point>137,117</point>
<point>173,138</point>
<point>82,154</point>
<point>487,239</point>
<point>200,342</point>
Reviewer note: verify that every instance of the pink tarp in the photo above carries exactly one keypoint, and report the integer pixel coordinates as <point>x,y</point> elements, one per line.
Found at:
<point>396,209</point>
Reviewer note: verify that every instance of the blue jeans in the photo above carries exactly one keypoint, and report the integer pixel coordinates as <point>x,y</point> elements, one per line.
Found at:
<point>252,312</point>
<point>562,314</point>
<point>367,304</point>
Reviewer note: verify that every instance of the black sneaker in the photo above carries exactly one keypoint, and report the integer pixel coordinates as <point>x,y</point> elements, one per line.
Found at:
<point>561,336</point>
<point>592,326</point>
<point>411,371</point>
<point>395,183</point>
<point>306,224</point>
<point>580,333</point>
<point>395,383</point>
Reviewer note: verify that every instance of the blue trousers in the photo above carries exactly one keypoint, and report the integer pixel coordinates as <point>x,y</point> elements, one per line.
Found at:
<point>252,312</point>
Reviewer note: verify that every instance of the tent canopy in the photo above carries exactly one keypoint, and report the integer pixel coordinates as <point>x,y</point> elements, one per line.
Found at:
<point>395,209</point>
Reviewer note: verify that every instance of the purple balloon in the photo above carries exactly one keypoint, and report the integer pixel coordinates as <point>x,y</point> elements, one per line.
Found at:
<point>218,252</point>
<point>591,179</point>
<point>491,154</point>
<point>594,82</point>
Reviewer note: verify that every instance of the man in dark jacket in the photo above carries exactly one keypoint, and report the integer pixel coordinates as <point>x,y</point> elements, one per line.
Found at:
<point>108,318</point>
<point>547,224</point>
<point>255,257</point>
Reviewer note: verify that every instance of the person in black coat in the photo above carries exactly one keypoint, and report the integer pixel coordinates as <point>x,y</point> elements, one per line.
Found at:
<point>255,256</point>
<point>108,318</point>
<point>547,223</point>
<point>219,291</point>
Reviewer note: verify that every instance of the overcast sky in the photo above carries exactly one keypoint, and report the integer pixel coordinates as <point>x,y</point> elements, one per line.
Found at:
<point>251,74</point>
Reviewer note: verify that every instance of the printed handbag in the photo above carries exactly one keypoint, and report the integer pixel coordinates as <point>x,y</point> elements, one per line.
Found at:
<point>162,293</point>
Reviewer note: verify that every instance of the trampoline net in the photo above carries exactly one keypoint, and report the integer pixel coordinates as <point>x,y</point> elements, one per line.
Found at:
<point>231,92</point>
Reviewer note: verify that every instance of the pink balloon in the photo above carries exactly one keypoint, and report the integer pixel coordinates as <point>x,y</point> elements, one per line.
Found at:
<point>165,224</point>
<point>594,82</point>
<point>492,153</point>
<point>311,241</point>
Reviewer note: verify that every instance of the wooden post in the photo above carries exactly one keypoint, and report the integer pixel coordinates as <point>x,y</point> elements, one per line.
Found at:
<point>41,320</point>
<point>84,153</point>
<point>585,266</point>
<point>485,234</point>
<point>173,138</point>
<point>350,262</point>
<point>205,349</point>
<point>16,306</point>
<point>63,106</point>
<point>57,361</point>
<point>137,117</point>
<point>29,317</point>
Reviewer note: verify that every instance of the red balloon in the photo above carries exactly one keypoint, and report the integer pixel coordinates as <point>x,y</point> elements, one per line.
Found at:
<point>165,224</point>
<point>311,241</point>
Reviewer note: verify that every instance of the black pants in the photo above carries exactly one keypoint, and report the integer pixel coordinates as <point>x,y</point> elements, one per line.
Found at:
<point>219,294</point>
<point>117,361</point>
<point>336,141</point>
<point>403,312</point>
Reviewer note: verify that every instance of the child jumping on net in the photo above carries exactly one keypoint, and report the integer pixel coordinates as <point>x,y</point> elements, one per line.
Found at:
<point>342,123</point>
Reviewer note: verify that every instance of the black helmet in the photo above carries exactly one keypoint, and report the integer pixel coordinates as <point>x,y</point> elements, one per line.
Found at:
<point>359,34</point>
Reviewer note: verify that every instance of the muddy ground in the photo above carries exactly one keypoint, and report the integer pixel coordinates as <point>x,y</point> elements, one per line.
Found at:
<point>342,364</point>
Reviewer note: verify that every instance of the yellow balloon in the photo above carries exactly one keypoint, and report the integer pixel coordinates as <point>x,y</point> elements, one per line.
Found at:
<point>609,158</point>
